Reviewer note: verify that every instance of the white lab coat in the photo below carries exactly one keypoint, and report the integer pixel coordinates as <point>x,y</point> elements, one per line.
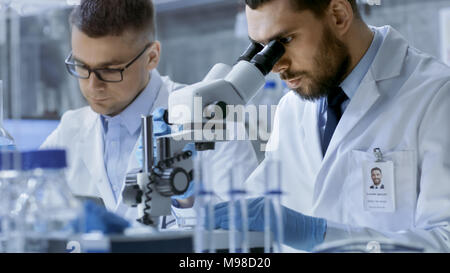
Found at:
<point>402,107</point>
<point>80,133</point>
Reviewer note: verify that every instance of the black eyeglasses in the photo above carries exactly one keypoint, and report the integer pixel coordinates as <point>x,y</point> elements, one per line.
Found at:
<point>81,71</point>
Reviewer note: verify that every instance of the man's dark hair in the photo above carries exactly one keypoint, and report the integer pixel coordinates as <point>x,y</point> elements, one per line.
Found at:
<point>318,7</point>
<point>99,18</point>
<point>375,169</point>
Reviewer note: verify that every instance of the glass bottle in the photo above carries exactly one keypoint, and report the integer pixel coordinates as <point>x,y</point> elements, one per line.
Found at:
<point>48,209</point>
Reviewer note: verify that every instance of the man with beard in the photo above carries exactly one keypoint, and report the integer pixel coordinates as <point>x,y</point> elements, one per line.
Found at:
<point>356,89</point>
<point>376,175</point>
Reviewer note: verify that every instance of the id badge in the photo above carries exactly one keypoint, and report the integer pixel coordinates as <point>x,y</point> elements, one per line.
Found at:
<point>379,186</point>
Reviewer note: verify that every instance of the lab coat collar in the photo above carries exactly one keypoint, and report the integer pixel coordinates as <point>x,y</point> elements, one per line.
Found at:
<point>351,83</point>
<point>390,58</point>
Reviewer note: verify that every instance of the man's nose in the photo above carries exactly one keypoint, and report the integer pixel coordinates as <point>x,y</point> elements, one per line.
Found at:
<point>281,66</point>
<point>95,82</point>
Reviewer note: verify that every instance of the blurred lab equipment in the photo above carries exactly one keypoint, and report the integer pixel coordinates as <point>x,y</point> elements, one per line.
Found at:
<point>369,245</point>
<point>6,140</point>
<point>266,102</point>
<point>29,134</point>
<point>269,96</point>
<point>46,208</point>
<point>205,240</point>
<point>238,236</point>
<point>272,204</point>
<point>10,185</point>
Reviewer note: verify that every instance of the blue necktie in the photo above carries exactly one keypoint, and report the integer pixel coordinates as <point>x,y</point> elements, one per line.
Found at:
<point>334,114</point>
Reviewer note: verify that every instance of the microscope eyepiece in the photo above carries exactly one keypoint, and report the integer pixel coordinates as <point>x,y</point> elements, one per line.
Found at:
<point>268,57</point>
<point>250,52</point>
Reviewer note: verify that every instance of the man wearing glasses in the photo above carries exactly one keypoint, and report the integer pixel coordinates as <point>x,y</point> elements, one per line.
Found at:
<point>114,56</point>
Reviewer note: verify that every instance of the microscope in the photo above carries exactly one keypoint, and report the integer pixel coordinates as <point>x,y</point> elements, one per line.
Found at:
<point>169,171</point>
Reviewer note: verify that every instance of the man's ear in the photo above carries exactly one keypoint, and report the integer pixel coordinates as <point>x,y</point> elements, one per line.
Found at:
<point>153,55</point>
<point>341,14</point>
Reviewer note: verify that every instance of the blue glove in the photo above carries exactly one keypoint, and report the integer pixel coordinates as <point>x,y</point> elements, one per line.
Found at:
<point>300,231</point>
<point>98,218</point>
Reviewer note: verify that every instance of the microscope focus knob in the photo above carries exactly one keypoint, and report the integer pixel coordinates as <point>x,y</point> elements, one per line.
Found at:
<point>173,181</point>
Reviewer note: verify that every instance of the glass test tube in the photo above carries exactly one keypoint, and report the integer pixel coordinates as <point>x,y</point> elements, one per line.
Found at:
<point>272,199</point>
<point>238,235</point>
<point>231,214</point>
<point>244,213</point>
<point>204,206</point>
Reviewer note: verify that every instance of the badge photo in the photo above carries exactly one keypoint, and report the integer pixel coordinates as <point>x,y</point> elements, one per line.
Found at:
<point>379,187</point>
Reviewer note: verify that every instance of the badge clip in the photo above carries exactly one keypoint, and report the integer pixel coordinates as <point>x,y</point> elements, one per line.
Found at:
<point>378,155</point>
